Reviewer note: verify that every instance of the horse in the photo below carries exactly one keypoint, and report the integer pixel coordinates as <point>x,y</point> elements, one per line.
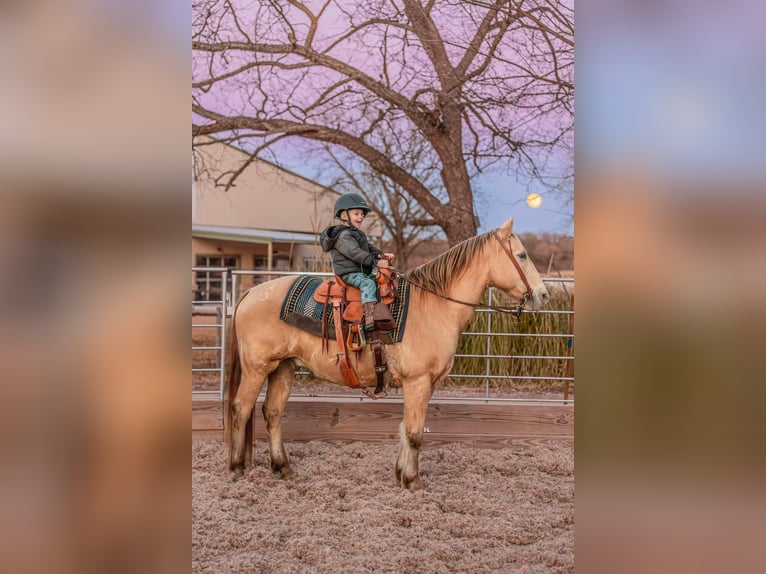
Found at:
<point>443,296</point>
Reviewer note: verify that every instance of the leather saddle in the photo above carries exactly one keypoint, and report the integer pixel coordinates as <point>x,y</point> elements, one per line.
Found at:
<point>351,297</point>
<point>348,314</point>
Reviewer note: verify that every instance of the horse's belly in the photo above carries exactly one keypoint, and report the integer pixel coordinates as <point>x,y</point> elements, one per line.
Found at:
<point>328,369</point>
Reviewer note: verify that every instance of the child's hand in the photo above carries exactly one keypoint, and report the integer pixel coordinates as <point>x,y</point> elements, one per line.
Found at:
<point>389,256</point>
<point>383,263</point>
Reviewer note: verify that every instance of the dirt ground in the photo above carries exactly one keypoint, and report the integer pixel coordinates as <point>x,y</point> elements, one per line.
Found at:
<point>509,509</point>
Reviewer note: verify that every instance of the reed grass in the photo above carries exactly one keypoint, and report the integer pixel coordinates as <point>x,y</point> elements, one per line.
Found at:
<point>514,356</point>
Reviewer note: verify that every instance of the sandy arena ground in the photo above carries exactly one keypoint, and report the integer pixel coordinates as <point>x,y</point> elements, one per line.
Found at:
<point>482,510</point>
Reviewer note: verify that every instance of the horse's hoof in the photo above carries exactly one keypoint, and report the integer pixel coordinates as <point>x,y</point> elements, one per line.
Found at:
<point>236,474</point>
<point>282,472</point>
<point>414,485</point>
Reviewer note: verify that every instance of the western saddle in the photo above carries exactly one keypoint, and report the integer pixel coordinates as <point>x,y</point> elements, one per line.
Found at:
<point>348,315</point>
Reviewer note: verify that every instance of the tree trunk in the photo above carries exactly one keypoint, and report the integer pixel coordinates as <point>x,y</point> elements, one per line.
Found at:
<point>457,218</point>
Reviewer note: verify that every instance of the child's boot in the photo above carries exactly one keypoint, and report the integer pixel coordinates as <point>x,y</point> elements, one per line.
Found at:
<point>369,316</point>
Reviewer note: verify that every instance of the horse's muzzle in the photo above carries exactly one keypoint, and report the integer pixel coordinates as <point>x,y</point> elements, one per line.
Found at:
<point>540,298</point>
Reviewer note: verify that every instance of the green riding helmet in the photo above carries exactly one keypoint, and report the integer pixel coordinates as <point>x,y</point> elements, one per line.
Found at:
<point>350,201</point>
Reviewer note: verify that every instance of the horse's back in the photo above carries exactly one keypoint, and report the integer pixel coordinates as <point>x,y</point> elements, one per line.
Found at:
<point>264,292</point>
<point>264,300</point>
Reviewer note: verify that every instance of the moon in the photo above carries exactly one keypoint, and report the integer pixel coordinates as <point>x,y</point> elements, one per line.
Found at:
<point>534,200</point>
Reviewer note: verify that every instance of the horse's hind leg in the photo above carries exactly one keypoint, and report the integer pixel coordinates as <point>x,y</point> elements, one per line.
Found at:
<point>416,393</point>
<point>253,377</point>
<point>277,393</point>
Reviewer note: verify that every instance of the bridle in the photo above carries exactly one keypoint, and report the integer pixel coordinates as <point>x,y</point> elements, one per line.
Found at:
<point>515,311</point>
<point>528,293</point>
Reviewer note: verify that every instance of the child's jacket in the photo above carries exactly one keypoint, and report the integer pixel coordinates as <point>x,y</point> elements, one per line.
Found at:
<point>351,250</point>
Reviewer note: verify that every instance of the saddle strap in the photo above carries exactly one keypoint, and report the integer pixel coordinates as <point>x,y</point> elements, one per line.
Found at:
<point>348,372</point>
<point>380,364</point>
<point>325,322</point>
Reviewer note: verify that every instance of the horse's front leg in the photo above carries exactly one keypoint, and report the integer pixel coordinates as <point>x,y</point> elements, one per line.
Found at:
<point>416,396</point>
<point>277,393</point>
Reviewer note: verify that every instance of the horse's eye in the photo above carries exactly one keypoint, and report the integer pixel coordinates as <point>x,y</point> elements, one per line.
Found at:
<point>523,256</point>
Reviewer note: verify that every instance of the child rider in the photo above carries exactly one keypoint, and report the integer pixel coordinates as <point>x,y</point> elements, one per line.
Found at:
<point>356,260</point>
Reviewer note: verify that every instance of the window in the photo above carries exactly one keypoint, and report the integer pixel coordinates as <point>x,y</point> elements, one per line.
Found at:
<point>209,282</point>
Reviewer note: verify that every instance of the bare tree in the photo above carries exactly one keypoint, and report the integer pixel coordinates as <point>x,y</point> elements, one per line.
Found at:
<point>481,83</point>
<point>406,224</point>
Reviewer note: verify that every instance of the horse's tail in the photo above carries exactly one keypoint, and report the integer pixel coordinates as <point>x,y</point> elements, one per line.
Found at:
<point>233,374</point>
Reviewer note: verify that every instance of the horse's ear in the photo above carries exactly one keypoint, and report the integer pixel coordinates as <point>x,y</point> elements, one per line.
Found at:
<point>507,227</point>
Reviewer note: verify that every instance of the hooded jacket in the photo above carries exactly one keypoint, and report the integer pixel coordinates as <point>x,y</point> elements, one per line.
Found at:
<point>351,251</point>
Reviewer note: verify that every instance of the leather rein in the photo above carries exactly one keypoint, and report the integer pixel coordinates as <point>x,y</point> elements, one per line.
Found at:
<point>515,311</point>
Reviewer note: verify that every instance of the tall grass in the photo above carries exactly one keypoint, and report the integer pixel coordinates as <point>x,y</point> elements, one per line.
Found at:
<point>510,354</point>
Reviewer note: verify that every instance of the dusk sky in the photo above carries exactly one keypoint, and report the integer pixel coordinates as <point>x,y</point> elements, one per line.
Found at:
<point>498,197</point>
<point>502,197</point>
<point>510,138</point>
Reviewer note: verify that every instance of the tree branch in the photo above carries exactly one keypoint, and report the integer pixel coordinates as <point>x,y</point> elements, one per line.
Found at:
<point>376,87</point>
<point>432,42</point>
<point>376,159</point>
<point>477,40</point>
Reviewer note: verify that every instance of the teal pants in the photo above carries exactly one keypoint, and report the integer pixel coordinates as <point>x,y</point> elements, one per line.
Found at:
<point>365,283</point>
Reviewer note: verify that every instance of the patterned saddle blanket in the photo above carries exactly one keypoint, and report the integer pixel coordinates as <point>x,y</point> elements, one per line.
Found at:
<point>301,310</point>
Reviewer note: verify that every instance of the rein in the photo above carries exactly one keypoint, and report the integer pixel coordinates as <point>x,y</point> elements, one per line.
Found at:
<point>515,311</point>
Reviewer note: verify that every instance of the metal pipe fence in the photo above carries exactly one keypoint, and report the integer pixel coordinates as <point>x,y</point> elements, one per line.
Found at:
<point>223,300</point>
<point>209,276</point>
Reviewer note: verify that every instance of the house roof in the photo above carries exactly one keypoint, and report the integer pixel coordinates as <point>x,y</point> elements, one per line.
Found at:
<point>249,235</point>
<point>212,139</point>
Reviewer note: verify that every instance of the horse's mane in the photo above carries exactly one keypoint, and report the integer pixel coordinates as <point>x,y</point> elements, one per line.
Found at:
<point>437,274</point>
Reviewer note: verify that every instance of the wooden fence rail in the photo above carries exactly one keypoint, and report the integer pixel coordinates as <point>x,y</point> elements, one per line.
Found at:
<point>344,420</point>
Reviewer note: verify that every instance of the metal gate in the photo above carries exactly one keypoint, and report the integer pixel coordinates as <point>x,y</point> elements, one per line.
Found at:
<point>208,303</point>
<point>218,309</point>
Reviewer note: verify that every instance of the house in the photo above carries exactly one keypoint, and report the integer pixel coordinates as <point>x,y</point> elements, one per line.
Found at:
<point>269,220</point>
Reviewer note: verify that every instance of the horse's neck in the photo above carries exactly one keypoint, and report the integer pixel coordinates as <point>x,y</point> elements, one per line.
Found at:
<point>468,288</point>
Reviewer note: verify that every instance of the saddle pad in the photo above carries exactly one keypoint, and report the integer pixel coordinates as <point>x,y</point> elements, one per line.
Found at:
<point>301,310</point>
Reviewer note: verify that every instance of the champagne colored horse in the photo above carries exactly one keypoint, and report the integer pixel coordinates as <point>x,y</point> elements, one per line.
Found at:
<point>444,294</point>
